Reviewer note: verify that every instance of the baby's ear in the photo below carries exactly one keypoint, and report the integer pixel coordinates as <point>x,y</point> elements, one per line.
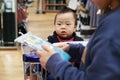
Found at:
<point>75,28</point>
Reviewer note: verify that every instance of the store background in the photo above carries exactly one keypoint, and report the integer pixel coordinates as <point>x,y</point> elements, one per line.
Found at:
<point>11,62</point>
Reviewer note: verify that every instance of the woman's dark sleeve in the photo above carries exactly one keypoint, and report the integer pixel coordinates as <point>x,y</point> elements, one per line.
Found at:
<point>76,50</point>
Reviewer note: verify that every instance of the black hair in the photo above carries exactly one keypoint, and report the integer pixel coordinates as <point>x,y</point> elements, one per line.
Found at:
<point>65,10</point>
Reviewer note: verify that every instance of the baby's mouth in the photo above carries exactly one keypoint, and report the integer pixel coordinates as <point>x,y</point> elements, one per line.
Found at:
<point>63,32</point>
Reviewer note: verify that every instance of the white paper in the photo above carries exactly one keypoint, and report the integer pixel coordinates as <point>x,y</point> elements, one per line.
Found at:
<point>72,4</point>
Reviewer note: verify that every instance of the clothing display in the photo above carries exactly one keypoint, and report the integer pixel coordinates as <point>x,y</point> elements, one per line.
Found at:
<point>92,11</point>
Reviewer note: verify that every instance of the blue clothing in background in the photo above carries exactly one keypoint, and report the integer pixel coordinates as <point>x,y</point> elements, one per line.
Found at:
<point>103,54</point>
<point>92,11</point>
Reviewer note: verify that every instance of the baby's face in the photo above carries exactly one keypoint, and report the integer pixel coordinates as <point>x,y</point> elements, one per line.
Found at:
<point>65,25</point>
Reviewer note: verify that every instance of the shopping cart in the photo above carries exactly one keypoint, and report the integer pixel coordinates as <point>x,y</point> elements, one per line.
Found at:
<point>31,65</point>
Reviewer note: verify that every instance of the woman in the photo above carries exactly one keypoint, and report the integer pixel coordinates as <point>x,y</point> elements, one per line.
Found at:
<point>102,55</point>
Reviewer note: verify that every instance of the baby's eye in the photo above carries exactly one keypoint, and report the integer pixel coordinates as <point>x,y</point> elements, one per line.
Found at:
<point>58,24</point>
<point>68,24</point>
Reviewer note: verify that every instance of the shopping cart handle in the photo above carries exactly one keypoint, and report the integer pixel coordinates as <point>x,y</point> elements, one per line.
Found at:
<point>30,58</point>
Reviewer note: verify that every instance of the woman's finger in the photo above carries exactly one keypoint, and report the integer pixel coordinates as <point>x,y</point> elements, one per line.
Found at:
<point>39,53</point>
<point>48,49</point>
<point>45,48</point>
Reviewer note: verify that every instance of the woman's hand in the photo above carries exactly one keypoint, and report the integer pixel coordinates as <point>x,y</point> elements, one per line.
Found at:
<point>45,54</point>
<point>64,47</point>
